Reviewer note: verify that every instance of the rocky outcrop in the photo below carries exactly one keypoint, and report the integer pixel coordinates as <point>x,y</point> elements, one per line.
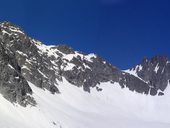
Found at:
<point>155,72</point>
<point>13,86</point>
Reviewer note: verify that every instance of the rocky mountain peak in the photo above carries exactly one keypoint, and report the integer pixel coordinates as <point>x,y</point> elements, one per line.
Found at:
<point>155,72</point>
<point>156,59</point>
<point>7,24</point>
<point>160,60</point>
<point>9,27</point>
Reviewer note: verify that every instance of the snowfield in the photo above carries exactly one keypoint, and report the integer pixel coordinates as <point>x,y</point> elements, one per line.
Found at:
<point>113,107</point>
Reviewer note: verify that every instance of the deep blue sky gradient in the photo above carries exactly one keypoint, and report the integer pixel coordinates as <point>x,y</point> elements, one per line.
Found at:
<point>121,31</point>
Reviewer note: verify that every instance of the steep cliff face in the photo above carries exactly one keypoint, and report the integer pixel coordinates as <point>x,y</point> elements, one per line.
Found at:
<point>13,86</point>
<point>25,59</point>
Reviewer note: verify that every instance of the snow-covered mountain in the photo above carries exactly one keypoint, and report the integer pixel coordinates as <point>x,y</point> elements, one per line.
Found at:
<point>57,87</point>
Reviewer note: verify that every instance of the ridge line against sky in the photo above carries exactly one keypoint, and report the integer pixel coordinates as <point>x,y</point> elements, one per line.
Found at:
<point>121,31</point>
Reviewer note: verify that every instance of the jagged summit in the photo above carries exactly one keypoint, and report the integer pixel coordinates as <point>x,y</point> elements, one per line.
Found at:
<point>162,60</point>
<point>7,24</point>
<point>155,72</point>
<point>10,27</point>
<point>156,59</point>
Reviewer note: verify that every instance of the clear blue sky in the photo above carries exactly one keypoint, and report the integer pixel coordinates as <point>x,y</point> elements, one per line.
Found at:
<point>121,31</point>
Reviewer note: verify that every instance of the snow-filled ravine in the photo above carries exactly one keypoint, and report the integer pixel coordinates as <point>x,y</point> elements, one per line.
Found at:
<point>113,107</point>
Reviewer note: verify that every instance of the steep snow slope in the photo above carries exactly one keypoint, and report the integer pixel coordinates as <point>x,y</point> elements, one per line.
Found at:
<point>73,108</point>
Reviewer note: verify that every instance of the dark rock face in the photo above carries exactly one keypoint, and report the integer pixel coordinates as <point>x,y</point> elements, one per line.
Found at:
<point>25,59</point>
<point>13,85</point>
<point>65,49</point>
<point>156,72</point>
<point>28,58</point>
<point>134,84</point>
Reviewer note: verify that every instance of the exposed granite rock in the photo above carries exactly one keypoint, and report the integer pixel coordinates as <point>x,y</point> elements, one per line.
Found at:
<point>28,57</point>
<point>13,85</point>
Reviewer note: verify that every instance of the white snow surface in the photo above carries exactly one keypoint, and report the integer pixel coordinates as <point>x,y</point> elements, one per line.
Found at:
<point>73,108</point>
<point>156,68</point>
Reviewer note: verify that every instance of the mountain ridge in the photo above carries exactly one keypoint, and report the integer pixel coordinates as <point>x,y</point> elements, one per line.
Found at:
<point>45,65</point>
